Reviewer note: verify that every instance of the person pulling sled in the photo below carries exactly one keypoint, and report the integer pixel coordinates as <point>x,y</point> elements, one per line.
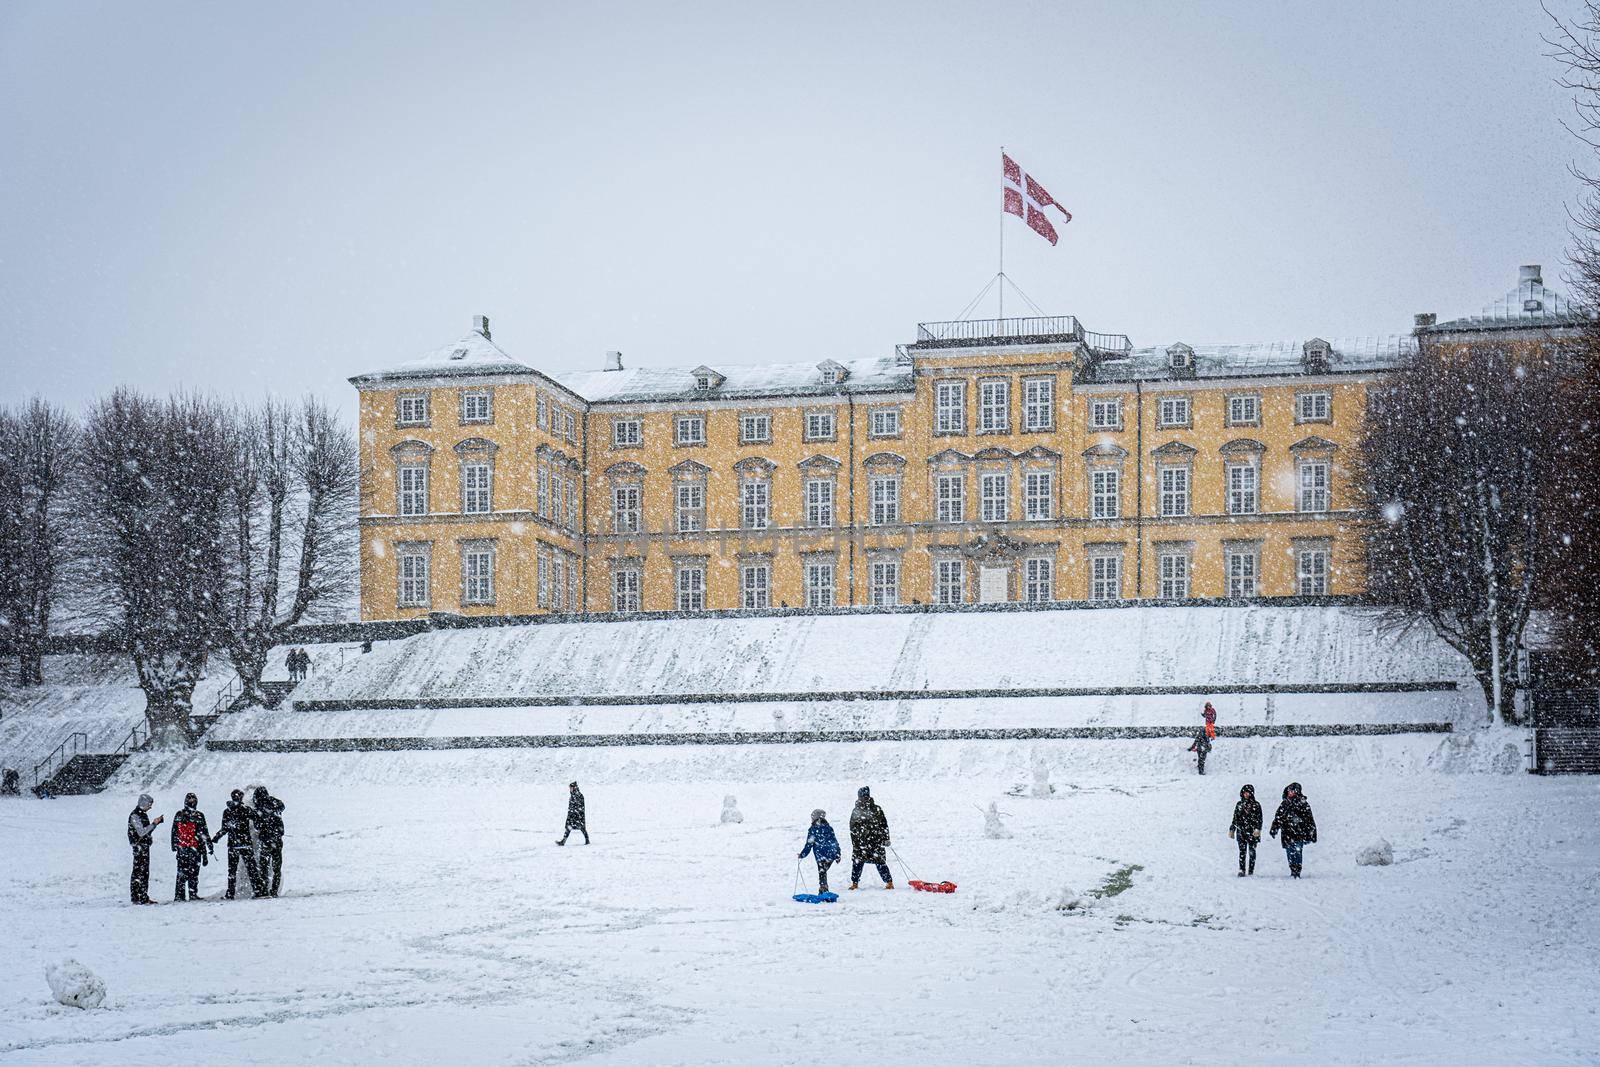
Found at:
<point>822,843</point>
<point>1246,827</point>
<point>1297,825</point>
<point>869,839</point>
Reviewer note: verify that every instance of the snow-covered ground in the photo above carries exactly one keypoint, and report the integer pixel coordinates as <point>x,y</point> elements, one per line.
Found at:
<point>430,921</point>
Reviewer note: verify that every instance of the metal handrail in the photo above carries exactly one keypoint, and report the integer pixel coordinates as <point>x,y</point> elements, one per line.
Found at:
<point>133,742</point>
<point>1108,342</point>
<point>982,329</point>
<point>77,739</point>
<point>229,694</point>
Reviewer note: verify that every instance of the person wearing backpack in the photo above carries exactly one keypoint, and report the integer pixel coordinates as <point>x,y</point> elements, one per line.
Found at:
<point>821,842</point>
<point>191,841</point>
<point>1298,826</point>
<point>140,830</point>
<point>238,822</point>
<point>1246,826</point>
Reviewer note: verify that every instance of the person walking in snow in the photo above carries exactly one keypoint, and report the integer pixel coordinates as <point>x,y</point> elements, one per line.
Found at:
<point>1210,717</point>
<point>575,814</point>
<point>1246,827</point>
<point>238,822</point>
<point>1201,748</point>
<point>269,833</point>
<point>1298,827</point>
<point>191,841</point>
<point>822,843</point>
<point>869,839</point>
<point>140,829</point>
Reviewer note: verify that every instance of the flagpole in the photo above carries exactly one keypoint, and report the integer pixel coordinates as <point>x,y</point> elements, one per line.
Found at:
<point>1001,277</point>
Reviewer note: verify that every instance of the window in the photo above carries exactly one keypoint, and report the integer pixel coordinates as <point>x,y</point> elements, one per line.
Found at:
<point>570,424</point>
<point>625,589</point>
<point>994,406</point>
<point>475,492</point>
<point>1243,498</point>
<point>558,496</point>
<point>949,407</point>
<point>625,508</point>
<point>1105,494</point>
<point>689,430</point>
<point>543,499</point>
<point>1174,491</point>
<point>1313,494</point>
<point>885,575</point>
<point>885,500</point>
<point>411,409</point>
<point>1313,407</point>
<point>1105,413</point>
<point>575,579</point>
<point>477,573</point>
<point>1313,571</point>
<point>819,584</point>
<point>413,489</point>
<point>415,563</point>
<point>994,493</point>
<point>691,506</point>
<point>1244,410</point>
<point>885,422</point>
<point>755,585</point>
<point>475,406</point>
<point>542,412</point>
<point>950,493</point>
<point>1038,496</point>
<point>627,433</point>
<point>820,426</point>
<point>1243,565</point>
<point>1105,577</point>
<point>1174,572</point>
<point>702,382</point>
<point>949,581</point>
<point>1038,580</point>
<point>1173,411</point>
<point>1038,404</point>
<point>558,582</point>
<point>819,502</point>
<point>544,580</point>
<point>755,499</point>
<point>572,504</point>
<point>755,429</point>
<point>691,580</point>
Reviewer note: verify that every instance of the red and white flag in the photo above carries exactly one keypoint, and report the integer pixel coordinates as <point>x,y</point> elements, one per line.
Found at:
<point>1027,199</point>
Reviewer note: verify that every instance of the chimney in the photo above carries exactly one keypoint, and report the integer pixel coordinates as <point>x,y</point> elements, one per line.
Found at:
<point>1529,273</point>
<point>480,324</point>
<point>613,361</point>
<point>1426,319</point>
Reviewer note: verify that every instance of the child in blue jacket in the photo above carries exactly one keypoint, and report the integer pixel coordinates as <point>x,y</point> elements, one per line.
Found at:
<point>821,842</point>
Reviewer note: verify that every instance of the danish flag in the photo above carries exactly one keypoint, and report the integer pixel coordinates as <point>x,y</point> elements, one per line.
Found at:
<point>1027,199</point>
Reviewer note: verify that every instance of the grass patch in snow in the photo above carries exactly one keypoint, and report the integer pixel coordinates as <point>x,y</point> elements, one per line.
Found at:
<point>1117,882</point>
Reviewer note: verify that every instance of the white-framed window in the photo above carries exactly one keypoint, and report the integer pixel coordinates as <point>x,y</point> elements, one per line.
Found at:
<point>413,488</point>
<point>1038,495</point>
<point>885,496</point>
<point>627,433</point>
<point>689,430</point>
<point>885,582</point>
<point>819,502</point>
<point>1174,491</point>
<point>1312,571</point>
<point>544,580</point>
<point>755,585</point>
<point>1173,569</point>
<point>1313,494</point>
<point>1243,567</point>
<point>884,422</point>
<point>1105,413</point>
<point>625,508</point>
<point>543,498</point>
<point>1244,497</point>
<point>949,581</point>
<point>1105,493</point>
<point>558,582</point>
<point>820,426</point>
<point>994,497</point>
<point>1244,409</point>
<point>950,406</point>
<point>411,409</point>
<point>477,479</point>
<point>691,582</point>
<point>1105,577</point>
<point>994,406</point>
<point>950,497</point>
<point>1313,407</point>
<point>1173,411</point>
<point>1038,404</point>
<point>542,411</point>
<point>569,423</point>
<point>572,504</point>
<point>755,429</point>
<point>819,583</point>
<point>690,505</point>
<point>476,406</point>
<point>415,564</point>
<point>477,573</point>
<point>575,580</point>
<point>1038,579</point>
<point>625,594</point>
<point>755,503</point>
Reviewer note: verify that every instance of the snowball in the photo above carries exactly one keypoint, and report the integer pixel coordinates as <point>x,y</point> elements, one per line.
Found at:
<point>730,809</point>
<point>1380,854</point>
<point>75,985</point>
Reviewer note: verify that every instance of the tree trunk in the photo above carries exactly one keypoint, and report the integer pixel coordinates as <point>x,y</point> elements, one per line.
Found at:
<point>250,662</point>
<point>30,660</point>
<point>168,697</point>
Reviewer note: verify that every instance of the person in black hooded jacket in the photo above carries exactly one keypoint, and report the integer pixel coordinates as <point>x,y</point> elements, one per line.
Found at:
<point>1246,827</point>
<point>237,823</point>
<point>1297,825</point>
<point>191,842</point>
<point>269,830</point>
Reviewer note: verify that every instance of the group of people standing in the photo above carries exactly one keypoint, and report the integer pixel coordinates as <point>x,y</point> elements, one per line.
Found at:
<point>298,661</point>
<point>1294,826</point>
<point>869,842</point>
<point>255,842</point>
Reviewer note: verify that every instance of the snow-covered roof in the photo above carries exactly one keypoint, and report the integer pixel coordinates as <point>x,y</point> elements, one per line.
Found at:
<point>642,384</point>
<point>1530,304</point>
<point>474,354</point>
<point>1260,358</point>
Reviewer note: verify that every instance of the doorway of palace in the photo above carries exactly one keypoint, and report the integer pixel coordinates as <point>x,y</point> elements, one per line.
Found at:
<point>993,585</point>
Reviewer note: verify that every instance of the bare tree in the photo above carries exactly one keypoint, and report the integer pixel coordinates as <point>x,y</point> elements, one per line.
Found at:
<point>38,451</point>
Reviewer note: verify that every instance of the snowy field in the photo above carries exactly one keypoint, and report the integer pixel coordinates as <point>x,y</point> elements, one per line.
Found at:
<point>428,923</point>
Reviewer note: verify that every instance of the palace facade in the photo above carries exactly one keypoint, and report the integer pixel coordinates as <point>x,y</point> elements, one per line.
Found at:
<point>1024,460</point>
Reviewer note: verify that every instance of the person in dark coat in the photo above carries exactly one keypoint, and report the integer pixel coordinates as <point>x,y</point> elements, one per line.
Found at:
<point>269,831</point>
<point>869,839</point>
<point>821,842</point>
<point>140,830</point>
<point>1298,827</point>
<point>1246,827</point>
<point>238,825</point>
<point>191,841</point>
<point>1201,748</point>
<point>575,815</point>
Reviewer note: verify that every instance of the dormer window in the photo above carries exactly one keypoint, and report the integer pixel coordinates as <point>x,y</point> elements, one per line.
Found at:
<point>1317,355</point>
<point>706,379</point>
<point>832,373</point>
<point>1180,357</point>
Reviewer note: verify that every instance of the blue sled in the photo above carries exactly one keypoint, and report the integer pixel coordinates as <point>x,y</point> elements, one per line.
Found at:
<point>816,898</point>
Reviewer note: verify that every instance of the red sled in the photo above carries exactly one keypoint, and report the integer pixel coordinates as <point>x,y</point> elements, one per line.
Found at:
<point>933,887</point>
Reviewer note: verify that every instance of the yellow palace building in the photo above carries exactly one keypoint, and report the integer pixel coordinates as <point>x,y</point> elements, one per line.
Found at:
<point>1001,460</point>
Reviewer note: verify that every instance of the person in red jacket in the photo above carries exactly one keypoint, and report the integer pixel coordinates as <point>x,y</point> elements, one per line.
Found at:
<point>191,840</point>
<point>1210,716</point>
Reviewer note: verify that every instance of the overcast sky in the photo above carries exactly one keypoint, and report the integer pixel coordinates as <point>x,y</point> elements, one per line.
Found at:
<point>242,198</point>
